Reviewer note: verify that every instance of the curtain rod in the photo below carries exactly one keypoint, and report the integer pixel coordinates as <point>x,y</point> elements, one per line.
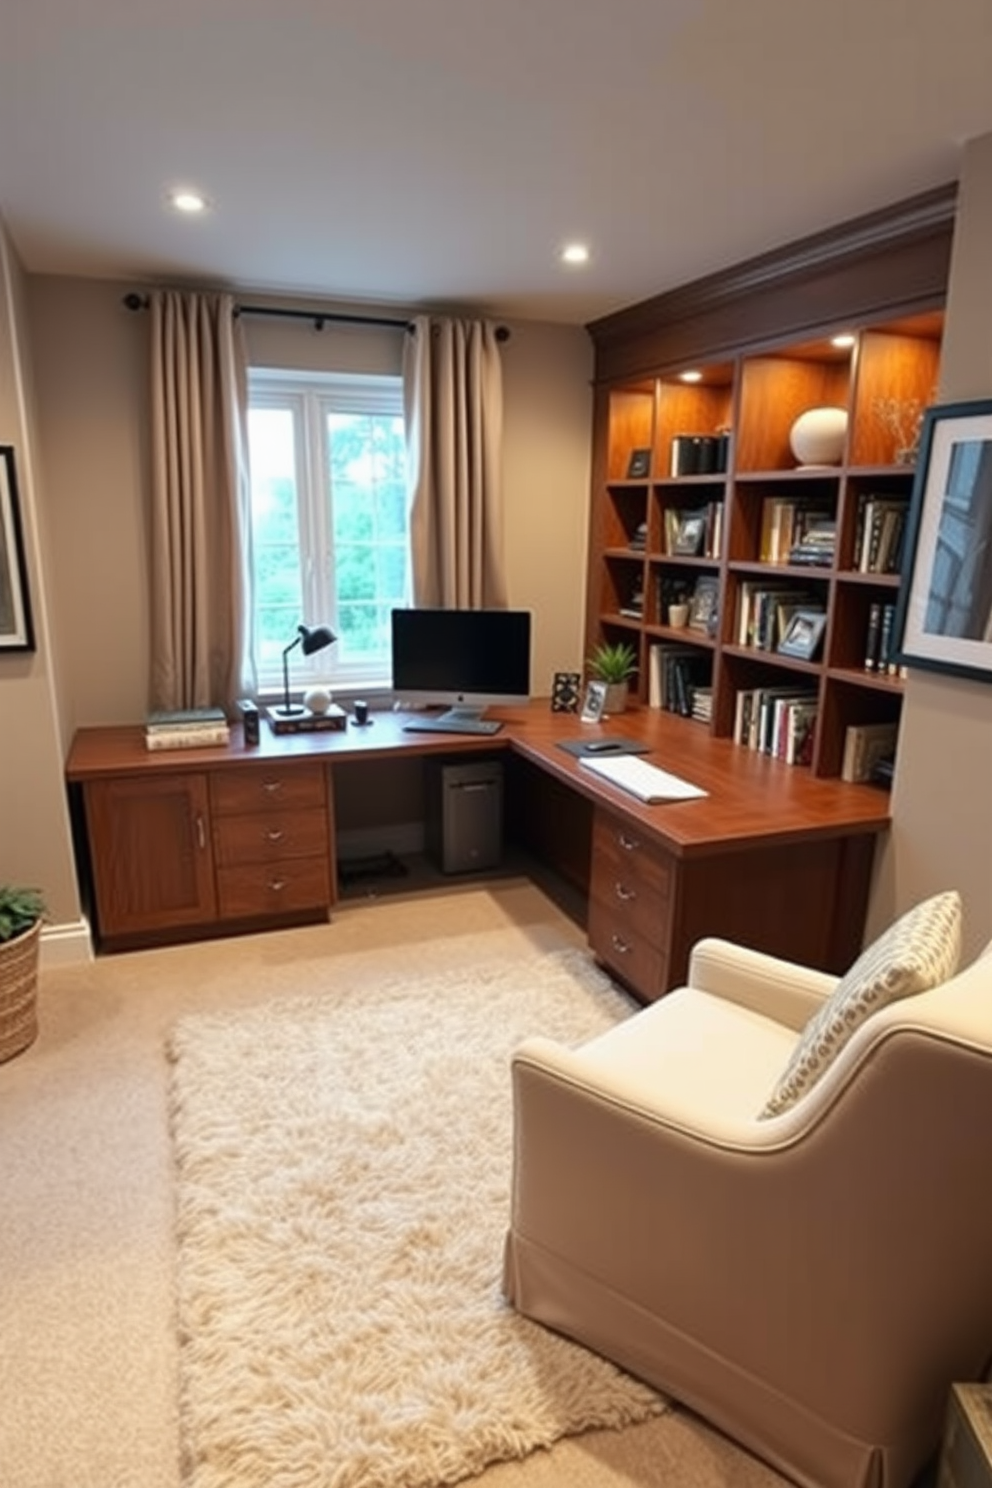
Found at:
<point>320,318</point>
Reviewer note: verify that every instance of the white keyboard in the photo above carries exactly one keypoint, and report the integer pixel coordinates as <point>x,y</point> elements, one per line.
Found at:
<point>632,773</point>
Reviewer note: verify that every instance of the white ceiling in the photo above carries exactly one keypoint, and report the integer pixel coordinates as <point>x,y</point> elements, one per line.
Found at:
<point>440,152</point>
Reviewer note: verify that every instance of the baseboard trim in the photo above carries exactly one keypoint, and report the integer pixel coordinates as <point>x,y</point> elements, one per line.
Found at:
<point>69,944</point>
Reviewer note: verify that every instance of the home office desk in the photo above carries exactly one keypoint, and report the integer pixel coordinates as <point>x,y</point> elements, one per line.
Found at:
<point>184,843</point>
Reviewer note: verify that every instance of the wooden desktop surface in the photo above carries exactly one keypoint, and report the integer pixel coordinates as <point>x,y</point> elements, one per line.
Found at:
<point>751,798</point>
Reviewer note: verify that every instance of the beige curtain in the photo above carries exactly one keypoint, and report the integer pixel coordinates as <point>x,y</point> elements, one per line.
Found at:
<point>200,530</point>
<point>453,402</point>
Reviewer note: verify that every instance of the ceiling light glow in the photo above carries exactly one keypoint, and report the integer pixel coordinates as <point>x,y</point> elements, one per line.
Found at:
<point>188,201</point>
<point>844,340</point>
<point>575,253</point>
<point>691,376</point>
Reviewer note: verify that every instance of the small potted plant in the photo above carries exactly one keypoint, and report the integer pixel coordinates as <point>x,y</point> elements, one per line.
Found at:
<point>614,662</point>
<point>21,914</point>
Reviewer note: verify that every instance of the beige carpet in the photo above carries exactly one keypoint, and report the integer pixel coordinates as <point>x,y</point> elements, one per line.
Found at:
<point>88,1353</point>
<point>343,1184</point>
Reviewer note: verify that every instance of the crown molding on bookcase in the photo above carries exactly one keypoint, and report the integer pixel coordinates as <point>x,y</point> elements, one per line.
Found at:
<point>889,262</point>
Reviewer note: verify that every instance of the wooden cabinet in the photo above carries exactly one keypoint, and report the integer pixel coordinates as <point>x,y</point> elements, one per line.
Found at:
<point>630,904</point>
<point>176,853</point>
<point>748,536</point>
<point>150,842</point>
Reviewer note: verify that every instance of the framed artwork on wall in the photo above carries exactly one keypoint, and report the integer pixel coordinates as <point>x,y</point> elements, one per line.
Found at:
<point>16,632</point>
<point>944,618</point>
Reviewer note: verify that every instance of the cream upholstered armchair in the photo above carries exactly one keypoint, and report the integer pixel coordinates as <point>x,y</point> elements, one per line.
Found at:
<point>791,1235</point>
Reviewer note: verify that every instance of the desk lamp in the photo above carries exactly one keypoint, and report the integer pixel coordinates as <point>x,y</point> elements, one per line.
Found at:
<point>309,639</point>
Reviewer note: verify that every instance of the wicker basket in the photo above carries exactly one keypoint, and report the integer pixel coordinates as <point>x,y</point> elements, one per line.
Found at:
<point>19,991</point>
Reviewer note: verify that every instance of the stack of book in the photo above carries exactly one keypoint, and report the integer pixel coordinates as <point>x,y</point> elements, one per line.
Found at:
<point>187,728</point>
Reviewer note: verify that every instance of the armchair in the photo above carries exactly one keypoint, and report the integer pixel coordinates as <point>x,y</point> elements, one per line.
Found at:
<point>811,1282</point>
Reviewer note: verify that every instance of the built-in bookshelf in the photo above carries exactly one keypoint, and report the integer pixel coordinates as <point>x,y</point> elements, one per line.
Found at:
<point>760,536</point>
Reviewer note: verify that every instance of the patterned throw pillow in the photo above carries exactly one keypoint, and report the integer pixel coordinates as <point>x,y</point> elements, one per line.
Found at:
<point>918,952</point>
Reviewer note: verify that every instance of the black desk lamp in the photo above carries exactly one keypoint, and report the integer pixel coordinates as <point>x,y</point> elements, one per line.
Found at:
<point>309,639</point>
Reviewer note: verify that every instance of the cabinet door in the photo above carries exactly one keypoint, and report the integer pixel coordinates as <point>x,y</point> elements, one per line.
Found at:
<point>152,861</point>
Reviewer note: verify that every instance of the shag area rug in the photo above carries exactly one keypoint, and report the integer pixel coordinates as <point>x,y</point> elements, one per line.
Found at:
<point>343,1180</point>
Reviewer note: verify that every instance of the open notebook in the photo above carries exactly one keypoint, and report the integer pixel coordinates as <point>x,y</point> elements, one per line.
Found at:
<point>645,781</point>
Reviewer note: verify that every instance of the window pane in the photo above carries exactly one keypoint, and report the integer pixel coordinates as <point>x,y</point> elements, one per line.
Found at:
<point>277,579</point>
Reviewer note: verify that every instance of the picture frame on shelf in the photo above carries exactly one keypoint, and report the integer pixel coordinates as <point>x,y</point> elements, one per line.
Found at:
<point>593,703</point>
<point>803,635</point>
<point>689,536</point>
<point>16,631</point>
<point>944,616</point>
<point>704,604</point>
<point>639,464</point>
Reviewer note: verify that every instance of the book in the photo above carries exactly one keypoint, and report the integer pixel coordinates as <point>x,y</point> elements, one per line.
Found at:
<point>864,745</point>
<point>202,737</point>
<point>183,718</point>
<point>645,781</point>
<point>873,636</point>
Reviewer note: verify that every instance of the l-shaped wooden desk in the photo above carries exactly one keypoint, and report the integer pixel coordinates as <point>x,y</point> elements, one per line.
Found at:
<point>184,843</point>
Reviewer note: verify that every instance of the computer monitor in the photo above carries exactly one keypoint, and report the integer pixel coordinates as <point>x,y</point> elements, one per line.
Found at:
<point>465,658</point>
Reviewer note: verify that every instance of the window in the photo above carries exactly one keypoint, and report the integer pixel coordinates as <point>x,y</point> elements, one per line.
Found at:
<point>330,536</point>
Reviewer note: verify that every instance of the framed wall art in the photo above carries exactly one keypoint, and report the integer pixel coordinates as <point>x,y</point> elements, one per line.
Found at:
<point>944,616</point>
<point>16,633</point>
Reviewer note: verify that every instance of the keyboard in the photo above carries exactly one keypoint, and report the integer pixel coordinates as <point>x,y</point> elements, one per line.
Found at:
<point>452,726</point>
<point>641,779</point>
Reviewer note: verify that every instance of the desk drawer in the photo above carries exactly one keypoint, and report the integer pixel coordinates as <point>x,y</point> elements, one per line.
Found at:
<point>269,787</point>
<point>627,868</point>
<point>269,836</point>
<point>273,888</point>
<point>636,960</point>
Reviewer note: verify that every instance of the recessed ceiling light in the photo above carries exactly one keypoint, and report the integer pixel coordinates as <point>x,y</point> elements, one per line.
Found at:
<point>844,340</point>
<point>190,202</point>
<point>575,253</point>
<point>691,376</point>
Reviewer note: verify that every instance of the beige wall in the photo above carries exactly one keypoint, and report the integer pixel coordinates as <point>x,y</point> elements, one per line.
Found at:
<point>35,838</point>
<point>92,394</point>
<point>942,800</point>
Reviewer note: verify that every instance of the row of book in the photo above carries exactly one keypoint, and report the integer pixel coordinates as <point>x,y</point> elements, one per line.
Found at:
<point>780,721</point>
<point>764,613</point>
<point>796,532</point>
<point>187,728</point>
<point>879,533</point>
<point>869,752</point>
<point>680,680</point>
<point>879,641</point>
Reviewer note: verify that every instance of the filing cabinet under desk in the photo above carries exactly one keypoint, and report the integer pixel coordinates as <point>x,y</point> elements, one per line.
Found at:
<point>630,905</point>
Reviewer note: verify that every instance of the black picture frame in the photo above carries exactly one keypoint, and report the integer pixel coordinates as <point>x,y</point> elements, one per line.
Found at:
<point>565,692</point>
<point>943,619</point>
<point>689,536</point>
<point>639,464</point>
<point>704,604</point>
<point>803,635</point>
<point>16,630</point>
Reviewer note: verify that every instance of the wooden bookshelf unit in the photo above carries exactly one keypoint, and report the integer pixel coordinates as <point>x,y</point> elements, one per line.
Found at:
<point>767,535</point>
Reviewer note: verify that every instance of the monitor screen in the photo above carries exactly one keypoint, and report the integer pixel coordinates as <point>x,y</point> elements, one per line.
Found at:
<point>473,657</point>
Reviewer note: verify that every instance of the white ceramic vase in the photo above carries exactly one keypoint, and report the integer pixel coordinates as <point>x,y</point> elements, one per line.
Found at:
<point>817,436</point>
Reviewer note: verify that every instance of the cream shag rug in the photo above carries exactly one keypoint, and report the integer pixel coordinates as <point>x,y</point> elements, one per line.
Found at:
<point>343,1176</point>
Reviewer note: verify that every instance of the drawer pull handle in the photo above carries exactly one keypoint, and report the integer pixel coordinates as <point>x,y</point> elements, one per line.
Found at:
<point>622,892</point>
<point>275,836</point>
<point>620,945</point>
<point>271,786</point>
<point>629,844</point>
<point>201,836</point>
<point>275,884</point>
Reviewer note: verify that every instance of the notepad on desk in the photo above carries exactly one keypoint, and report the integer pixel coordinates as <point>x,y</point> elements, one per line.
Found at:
<point>643,780</point>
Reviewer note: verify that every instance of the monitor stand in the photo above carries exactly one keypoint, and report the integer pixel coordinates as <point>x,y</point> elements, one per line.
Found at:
<point>462,713</point>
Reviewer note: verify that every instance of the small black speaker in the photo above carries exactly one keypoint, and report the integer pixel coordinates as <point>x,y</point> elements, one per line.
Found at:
<point>250,721</point>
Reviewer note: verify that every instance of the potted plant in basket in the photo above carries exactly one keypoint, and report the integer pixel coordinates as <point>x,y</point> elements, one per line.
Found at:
<point>21,914</point>
<point>614,662</point>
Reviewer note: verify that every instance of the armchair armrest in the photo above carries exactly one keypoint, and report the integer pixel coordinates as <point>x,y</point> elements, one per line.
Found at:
<point>779,989</point>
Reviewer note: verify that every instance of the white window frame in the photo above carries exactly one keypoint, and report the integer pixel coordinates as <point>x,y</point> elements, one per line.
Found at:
<point>311,395</point>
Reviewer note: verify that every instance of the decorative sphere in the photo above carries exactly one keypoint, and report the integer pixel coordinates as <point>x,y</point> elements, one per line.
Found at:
<point>817,436</point>
<point>317,699</point>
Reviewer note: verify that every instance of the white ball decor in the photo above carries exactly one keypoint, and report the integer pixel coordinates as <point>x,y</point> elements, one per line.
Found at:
<point>817,436</point>
<point>317,699</point>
